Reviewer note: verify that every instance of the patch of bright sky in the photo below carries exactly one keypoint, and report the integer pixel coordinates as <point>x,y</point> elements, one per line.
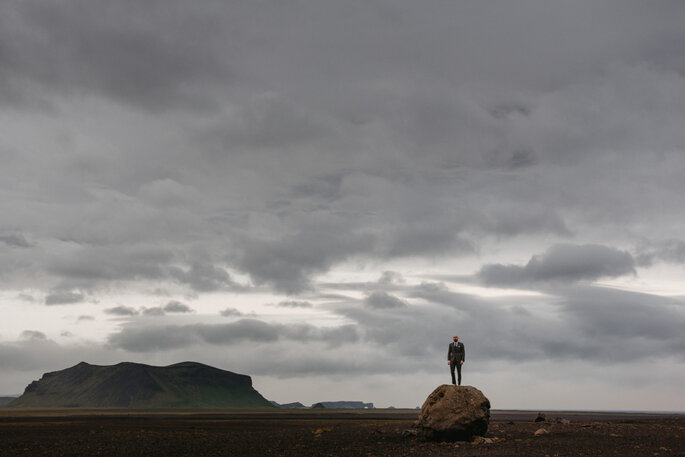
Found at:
<point>492,292</point>
<point>659,279</point>
<point>56,321</point>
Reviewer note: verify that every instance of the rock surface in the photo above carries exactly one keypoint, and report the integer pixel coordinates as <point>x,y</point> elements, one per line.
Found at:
<point>454,413</point>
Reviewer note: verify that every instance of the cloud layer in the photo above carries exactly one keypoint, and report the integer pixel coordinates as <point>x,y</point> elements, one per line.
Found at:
<point>562,263</point>
<point>168,164</point>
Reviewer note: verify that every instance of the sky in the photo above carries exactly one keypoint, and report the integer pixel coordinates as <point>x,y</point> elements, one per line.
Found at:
<point>319,194</point>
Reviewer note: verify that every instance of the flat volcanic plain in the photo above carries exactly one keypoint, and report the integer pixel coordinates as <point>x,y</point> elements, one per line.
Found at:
<point>76,432</point>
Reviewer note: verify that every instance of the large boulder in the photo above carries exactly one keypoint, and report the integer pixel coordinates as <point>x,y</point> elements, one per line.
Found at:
<point>454,413</point>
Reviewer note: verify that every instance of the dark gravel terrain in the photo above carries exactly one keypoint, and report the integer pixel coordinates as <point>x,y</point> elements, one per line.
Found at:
<point>329,433</point>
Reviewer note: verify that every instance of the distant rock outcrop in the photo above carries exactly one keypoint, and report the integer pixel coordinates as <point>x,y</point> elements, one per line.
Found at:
<point>454,413</point>
<point>293,405</point>
<point>134,385</point>
<point>6,400</point>
<point>343,405</point>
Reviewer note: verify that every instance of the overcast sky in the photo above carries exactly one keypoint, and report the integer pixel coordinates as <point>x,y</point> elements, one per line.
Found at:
<point>320,193</point>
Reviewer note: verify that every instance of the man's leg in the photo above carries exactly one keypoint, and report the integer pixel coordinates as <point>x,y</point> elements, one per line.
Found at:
<point>458,372</point>
<point>454,381</point>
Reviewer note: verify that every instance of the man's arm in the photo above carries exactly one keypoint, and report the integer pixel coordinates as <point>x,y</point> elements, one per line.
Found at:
<point>463,353</point>
<point>449,353</point>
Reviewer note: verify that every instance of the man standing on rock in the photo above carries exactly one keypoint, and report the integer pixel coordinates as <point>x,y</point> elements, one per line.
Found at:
<point>455,357</point>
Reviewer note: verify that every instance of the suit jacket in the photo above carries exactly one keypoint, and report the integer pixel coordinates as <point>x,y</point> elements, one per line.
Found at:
<point>456,352</point>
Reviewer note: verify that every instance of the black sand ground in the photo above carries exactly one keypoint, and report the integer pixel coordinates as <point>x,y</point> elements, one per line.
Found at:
<point>327,433</point>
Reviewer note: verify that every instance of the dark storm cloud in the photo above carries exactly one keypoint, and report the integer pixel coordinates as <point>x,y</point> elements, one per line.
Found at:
<point>92,263</point>
<point>576,323</point>
<point>89,261</point>
<point>33,335</point>
<point>460,139</point>
<point>177,307</point>
<point>641,315</point>
<point>562,262</point>
<point>204,277</point>
<point>15,240</point>
<point>228,312</point>
<point>438,292</point>
<point>286,264</point>
<point>121,311</point>
<point>274,123</point>
<point>146,339</point>
<point>383,300</point>
<point>672,250</point>
<point>388,282</point>
<point>327,187</point>
<point>156,311</point>
<point>391,277</point>
<point>452,136</point>
<point>424,238</point>
<point>64,297</point>
<point>580,323</point>
<point>195,143</point>
<point>511,221</point>
<point>85,263</point>
<point>605,318</point>
<point>152,55</point>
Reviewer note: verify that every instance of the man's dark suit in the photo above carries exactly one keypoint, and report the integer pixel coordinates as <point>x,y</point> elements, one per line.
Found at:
<point>455,355</point>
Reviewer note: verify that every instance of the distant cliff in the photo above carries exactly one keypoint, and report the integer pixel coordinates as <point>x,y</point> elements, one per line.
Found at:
<point>293,405</point>
<point>6,400</point>
<point>134,385</point>
<point>343,405</point>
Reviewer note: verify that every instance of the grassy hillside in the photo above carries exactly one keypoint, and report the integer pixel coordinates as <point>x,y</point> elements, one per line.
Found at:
<point>133,385</point>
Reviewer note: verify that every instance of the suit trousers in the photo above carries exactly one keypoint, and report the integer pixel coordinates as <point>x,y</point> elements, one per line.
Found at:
<point>455,364</point>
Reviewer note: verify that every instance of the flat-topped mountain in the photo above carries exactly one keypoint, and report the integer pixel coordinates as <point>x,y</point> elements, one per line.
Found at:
<point>135,385</point>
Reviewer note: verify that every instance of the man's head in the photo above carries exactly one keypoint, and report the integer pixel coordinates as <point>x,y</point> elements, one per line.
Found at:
<point>455,338</point>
